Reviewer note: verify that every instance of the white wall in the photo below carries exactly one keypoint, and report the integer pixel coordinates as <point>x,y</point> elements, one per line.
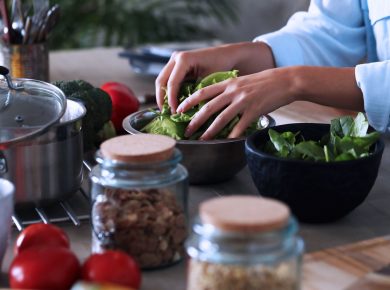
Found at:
<point>259,17</point>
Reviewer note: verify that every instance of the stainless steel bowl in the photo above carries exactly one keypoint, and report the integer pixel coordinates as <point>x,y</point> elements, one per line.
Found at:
<point>206,161</point>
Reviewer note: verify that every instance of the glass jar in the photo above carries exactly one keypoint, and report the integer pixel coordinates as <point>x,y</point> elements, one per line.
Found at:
<point>139,199</point>
<point>244,243</point>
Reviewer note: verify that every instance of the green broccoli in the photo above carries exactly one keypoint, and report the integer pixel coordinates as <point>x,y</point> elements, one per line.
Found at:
<point>68,87</point>
<point>103,102</point>
<point>97,126</point>
<point>84,85</point>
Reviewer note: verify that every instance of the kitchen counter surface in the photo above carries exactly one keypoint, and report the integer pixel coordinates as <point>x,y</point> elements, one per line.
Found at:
<point>371,219</point>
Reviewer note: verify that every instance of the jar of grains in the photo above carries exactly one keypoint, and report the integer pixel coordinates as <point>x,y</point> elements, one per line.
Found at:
<point>244,243</point>
<point>139,197</point>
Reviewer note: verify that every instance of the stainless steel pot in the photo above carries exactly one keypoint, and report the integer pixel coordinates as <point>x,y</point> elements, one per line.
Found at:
<point>48,167</point>
<point>40,140</point>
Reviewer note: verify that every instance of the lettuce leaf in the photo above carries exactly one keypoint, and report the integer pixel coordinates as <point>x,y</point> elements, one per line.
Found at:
<point>347,140</point>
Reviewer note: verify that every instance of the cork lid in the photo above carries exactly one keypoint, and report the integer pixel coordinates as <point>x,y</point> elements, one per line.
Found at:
<point>139,148</point>
<point>244,213</point>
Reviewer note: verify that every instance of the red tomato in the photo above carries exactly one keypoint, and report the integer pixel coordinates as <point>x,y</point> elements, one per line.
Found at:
<point>112,267</point>
<point>41,235</point>
<point>124,102</point>
<point>44,268</point>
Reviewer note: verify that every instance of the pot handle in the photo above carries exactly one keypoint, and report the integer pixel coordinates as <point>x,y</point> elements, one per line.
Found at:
<point>3,164</point>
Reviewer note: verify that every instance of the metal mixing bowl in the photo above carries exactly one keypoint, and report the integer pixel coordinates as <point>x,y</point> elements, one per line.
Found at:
<point>206,161</point>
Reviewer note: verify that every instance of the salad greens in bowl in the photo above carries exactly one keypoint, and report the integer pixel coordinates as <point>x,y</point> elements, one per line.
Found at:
<point>174,125</point>
<point>208,161</point>
<point>322,171</point>
<point>347,140</point>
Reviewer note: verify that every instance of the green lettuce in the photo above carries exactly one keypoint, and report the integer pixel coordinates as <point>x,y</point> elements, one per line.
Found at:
<point>347,140</point>
<point>174,125</point>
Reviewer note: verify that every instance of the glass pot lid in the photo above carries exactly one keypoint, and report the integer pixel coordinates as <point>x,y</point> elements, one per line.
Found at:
<point>27,107</point>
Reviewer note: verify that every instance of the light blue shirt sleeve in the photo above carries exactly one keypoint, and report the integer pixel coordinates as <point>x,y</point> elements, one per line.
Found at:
<point>330,33</point>
<point>374,81</point>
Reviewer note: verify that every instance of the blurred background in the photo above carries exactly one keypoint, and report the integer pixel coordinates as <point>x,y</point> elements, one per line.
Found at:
<point>128,23</point>
<point>146,31</point>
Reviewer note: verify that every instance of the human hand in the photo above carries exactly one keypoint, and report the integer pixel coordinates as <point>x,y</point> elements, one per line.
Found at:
<point>247,57</point>
<point>248,96</point>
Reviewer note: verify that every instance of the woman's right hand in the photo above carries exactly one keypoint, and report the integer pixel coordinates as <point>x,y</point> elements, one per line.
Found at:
<point>247,57</point>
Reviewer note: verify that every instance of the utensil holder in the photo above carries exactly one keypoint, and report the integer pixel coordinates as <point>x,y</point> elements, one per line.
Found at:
<point>27,60</point>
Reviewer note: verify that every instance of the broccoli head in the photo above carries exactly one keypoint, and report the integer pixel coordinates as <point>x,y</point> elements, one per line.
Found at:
<point>98,105</point>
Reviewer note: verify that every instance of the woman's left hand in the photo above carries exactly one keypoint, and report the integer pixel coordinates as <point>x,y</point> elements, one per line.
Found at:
<point>248,96</point>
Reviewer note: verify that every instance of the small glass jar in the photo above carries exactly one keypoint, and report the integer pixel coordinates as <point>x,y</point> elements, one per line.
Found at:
<point>244,243</point>
<point>139,199</point>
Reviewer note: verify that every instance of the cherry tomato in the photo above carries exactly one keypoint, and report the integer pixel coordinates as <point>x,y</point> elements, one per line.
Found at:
<point>41,235</point>
<point>124,102</point>
<point>44,268</point>
<point>112,267</point>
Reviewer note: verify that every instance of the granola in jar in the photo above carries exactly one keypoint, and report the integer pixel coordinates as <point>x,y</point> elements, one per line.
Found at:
<point>139,194</point>
<point>210,276</point>
<point>147,224</point>
<point>244,243</point>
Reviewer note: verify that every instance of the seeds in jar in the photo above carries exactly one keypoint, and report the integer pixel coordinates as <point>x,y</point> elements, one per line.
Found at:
<point>148,224</point>
<point>210,276</point>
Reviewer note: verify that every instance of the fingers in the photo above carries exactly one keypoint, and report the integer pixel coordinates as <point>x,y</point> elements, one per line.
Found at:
<point>161,82</point>
<point>245,120</point>
<point>221,98</point>
<point>175,79</point>
<point>221,121</point>
<point>201,95</point>
<point>209,109</point>
<point>205,113</point>
<point>171,76</point>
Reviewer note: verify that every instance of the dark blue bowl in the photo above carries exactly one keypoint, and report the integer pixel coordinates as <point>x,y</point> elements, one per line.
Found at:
<point>315,191</point>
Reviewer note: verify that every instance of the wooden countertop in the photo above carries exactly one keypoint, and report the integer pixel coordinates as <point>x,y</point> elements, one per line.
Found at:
<point>348,266</point>
<point>371,219</point>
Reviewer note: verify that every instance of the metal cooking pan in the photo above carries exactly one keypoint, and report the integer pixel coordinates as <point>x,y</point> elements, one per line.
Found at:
<point>40,141</point>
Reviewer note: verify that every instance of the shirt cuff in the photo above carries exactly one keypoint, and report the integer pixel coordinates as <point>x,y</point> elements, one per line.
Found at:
<point>373,80</point>
<point>285,48</point>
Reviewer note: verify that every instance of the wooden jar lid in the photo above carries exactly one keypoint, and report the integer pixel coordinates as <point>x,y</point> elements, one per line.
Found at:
<point>244,213</point>
<point>140,148</point>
